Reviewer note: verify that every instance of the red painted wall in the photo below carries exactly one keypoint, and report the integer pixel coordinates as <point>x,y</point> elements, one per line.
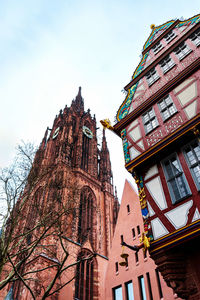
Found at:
<point>126,222</point>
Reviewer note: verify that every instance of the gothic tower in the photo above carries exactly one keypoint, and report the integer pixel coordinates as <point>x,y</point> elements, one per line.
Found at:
<point>71,171</point>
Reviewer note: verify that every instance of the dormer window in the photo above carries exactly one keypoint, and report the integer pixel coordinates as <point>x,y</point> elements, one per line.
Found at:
<point>182,50</point>
<point>157,47</point>
<point>170,36</point>
<point>152,76</point>
<point>149,120</point>
<point>167,63</point>
<point>167,107</point>
<point>195,37</point>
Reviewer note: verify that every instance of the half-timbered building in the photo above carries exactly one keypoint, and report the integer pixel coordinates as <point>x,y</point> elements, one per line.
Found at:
<point>159,125</point>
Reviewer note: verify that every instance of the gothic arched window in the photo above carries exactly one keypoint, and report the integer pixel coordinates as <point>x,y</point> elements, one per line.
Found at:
<point>85,285</point>
<point>86,215</point>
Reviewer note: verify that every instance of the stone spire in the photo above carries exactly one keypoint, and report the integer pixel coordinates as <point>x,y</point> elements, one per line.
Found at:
<point>78,103</point>
<point>105,164</point>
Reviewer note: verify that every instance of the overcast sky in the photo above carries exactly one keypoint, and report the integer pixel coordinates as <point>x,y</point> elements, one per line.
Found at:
<point>50,48</point>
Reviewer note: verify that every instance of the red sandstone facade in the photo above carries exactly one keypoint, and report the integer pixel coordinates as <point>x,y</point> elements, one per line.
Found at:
<point>140,279</point>
<point>159,125</point>
<point>69,151</point>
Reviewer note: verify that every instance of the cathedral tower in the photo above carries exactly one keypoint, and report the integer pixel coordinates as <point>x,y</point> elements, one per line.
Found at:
<point>68,164</point>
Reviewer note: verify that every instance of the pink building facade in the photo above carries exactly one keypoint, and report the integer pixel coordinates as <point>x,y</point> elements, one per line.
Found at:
<point>140,279</point>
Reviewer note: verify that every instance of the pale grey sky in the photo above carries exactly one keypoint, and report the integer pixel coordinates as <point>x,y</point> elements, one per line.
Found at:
<point>50,48</point>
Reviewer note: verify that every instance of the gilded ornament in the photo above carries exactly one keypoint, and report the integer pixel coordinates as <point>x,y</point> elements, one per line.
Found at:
<point>107,124</point>
<point>152,26</point>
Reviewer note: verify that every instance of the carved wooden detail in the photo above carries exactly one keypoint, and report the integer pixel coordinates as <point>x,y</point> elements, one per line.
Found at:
<point>177,268</point>
<point>173,123</point>
<point>155,137</point>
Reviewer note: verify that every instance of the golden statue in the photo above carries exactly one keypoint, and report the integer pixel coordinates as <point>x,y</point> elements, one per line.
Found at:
<point>107,124</point>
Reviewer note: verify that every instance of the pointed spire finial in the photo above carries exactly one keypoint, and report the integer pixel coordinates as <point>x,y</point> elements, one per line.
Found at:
<point>78,103</point>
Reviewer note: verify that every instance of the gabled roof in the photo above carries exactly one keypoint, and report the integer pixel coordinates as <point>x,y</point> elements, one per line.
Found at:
<point>155,33</point>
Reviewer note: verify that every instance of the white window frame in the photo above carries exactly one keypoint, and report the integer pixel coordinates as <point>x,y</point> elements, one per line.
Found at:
<point>170,36</point>
<point>157,47</point>
<point>152,76</point>
<point>182,50</point>
<point>176,181</point>
<point>150,121</point>
<point>195,37</point>
<point>167,107</point>
<point>193,160</point>
<point>166,64</point>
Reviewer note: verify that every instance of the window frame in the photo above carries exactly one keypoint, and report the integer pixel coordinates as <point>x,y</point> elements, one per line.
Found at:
<point>195,36</point>
<point>180,50</point>
<point>167,107</point>
<point>190,165</point>
<point>152,76</point>
<point>174,179</point>
<point>150,120</point>
<point>167,64</point>
<point>157,47</point>
<point>171,35</point>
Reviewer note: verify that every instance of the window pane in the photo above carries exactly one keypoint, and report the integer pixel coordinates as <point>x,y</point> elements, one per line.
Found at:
<point>191,157</point>
<point>167,107</point>
<point>152,76</point>
<point>166,114</point>
<point>168,169</point>
<point>172,110</point>
<point>149,120</point>
<point>118,293</point>
<point>175,166</point>
<point>149,127</point>
<point>197,173</point>
<point>174,189</point>
<point>182,50</point>
<point>154,123</point>
<point>162,105</point>
<point>176,181</point>
<point>146,118</point>
<point>151,113</point>
<point>142,288</point>
<point>129,291</point>
<point>168,101</point>
<point>182,186</point>
<point>169,36</point>
<point>197,151</point>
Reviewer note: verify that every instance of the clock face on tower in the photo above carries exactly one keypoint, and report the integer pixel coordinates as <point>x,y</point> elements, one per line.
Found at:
<point>87,132</point>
